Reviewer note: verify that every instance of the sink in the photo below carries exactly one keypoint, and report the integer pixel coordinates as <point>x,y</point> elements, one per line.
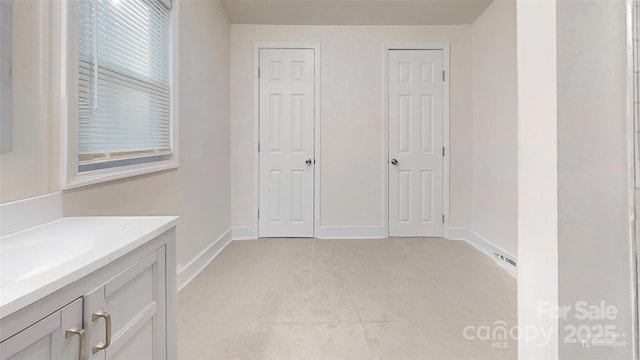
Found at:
<point>22,260</point>
<point>37,261</point>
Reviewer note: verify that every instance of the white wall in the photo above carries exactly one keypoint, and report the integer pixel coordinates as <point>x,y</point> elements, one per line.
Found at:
<point>537,178</point>
<point>25,170</point>
<point>205,193</point>
<point>594,237</point>
<point>494,214</point>
<point>352,118</point>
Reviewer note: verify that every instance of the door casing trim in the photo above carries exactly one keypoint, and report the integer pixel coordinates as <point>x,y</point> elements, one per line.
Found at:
<point>315,45</point>
<point>444,46</point>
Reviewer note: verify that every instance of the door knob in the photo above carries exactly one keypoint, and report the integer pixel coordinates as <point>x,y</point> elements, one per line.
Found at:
<point>394,161</point>
<point>308,162</point>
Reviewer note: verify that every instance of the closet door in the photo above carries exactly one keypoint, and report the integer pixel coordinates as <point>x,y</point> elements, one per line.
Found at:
<point>287,164</point>
<point>416,152</point>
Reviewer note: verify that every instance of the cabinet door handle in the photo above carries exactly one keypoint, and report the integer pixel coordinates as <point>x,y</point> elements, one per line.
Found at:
<point>107,320</point>
<point>76,330</point>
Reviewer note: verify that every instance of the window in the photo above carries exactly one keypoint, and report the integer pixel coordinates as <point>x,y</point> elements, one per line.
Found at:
<point>120,108</point>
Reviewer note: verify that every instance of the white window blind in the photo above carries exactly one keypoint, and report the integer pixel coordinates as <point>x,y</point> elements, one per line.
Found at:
<point>124,88</point>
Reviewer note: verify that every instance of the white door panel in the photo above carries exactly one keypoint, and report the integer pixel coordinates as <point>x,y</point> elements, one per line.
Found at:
<point>286,142</point>
<point>415,142</point>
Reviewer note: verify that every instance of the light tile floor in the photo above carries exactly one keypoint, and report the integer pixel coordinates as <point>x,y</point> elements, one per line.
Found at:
<point>398,298</point>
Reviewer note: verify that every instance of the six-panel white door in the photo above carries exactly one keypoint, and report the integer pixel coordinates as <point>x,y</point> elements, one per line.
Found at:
<point>416,89</point>
<point>286,159</point>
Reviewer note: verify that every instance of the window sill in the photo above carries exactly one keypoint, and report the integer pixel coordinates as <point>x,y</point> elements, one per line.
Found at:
<point>124,172</point>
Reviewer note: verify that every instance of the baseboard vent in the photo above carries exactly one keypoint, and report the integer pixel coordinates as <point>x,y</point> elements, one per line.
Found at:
<point>505,259</point>
<point>501,257</point>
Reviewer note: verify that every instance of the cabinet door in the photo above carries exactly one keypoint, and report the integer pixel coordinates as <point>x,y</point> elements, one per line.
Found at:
<point>134,304</point>
<point>47,339</point>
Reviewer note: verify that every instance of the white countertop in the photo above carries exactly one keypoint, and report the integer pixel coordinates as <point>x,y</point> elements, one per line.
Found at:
<point>41,260</point>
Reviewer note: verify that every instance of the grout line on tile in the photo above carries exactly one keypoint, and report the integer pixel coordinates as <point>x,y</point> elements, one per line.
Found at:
<point>308,322</point>
<point>364,333</point>
<point>433,322</point>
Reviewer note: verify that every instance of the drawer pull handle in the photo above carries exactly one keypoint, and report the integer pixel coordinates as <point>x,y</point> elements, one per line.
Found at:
<point>107,320</point>
<point>76,330</point>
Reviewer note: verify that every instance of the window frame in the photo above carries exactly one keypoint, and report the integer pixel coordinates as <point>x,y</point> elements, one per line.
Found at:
<point>71,177</point>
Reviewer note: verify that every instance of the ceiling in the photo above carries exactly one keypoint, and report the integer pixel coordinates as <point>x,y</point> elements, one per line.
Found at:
<point>354,12</point>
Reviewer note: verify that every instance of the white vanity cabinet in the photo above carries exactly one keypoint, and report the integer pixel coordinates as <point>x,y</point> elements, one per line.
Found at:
<point>57,336</point>
<point>126,316</point>
<point>119,305</point>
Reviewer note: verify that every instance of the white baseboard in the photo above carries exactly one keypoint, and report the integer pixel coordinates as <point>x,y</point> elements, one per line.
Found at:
<point>198,263</point>
<point>485,246</point>
<point>458,234</point>
<point>323,232</point>
<point>23,214</point>
<point>352,232</point>
<point>244,233</point>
